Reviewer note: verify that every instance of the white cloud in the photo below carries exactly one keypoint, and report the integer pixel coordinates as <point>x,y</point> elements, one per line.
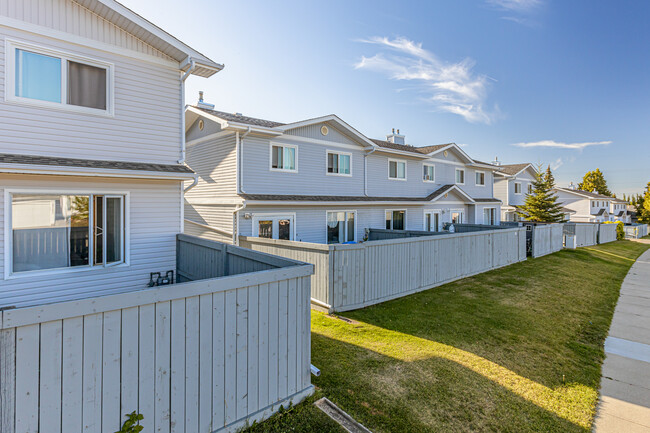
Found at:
<point>557,164</point>
<point>560,145</point>
<point>451,87</point>
<point>521,6</point>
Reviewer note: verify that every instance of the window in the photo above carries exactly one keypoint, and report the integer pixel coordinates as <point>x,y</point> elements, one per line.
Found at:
<point>593,204</point>
<point>396,169</point>
<point>489,216</point>
<point>460,176</point>
<point>429,174</point>
<point>340,227</point>
<point>65,231</point>
<point>283,157</point>
<point>51,78</point>
<point>395,219</point>
<point>339,163</point>
<point>530,188</point>
<point>517,187</point>
<point>457,217</point>
<point>432,221</point>
<point>274,226</point>
<point>480,178</point>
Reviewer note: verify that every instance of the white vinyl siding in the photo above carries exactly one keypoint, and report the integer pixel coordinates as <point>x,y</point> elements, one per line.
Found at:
<point>146,121</point>
<point>151,225</point>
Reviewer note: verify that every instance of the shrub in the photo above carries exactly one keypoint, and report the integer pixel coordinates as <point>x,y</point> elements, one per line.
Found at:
<point>132,424</point>
<point>620,230</point>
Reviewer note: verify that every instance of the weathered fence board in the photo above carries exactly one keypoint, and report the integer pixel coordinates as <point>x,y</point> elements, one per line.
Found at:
<point>606,233</point>
<point>356,275</point>
<point>636,231</point>
<point>190,357</point>
<point>547,239</point>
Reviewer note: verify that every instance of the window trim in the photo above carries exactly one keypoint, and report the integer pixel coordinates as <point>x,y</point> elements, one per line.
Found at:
<point>427,164</point>
<point>336,152</point>
<point>405,169</point>
<point>11,45</point>
<point>391,217</point>
<point>520,188</point>
<point>476,173</point>
<point>282,170</point>
<point>273,215</point>
<point>458,211</point>
<point>355,223</point>
<point>455,176</point>
<point>495,214</point>
<point>432,212</point>
<point>8,273</point>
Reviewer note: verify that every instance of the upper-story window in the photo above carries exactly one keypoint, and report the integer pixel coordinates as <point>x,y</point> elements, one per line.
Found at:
<point>396,169</point>
<point>429,174</point>
<point>284,157</point>
<point>517,187</point>
<point>530,188</point>
<point>593,204</point>
<point>339,163</point>
<point>460,176</point>
<point>480,178</point>
<point>50,78</point>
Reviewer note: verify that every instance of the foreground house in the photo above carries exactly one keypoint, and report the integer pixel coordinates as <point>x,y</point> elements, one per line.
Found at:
<point>322,181</point>
<point>512,182</point>
<point>591,206</point>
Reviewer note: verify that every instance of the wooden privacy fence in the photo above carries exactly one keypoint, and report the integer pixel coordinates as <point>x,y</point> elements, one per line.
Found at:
<point>547,239</point>
<point>357,275</point>
<point>606,233</point>
<point>201,356</point>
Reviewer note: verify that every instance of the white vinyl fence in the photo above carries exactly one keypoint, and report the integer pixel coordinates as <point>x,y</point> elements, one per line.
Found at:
<point>586,234</point>
<point>201,356</point>
<point>347,277</point>
<point>636,231</point>
<point>547,239</point>
<point>606,233</point>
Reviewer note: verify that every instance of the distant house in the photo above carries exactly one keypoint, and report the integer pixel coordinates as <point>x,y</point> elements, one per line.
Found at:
<point>320,180</point>
<point>91,149</point>
<point>512,183</point>
<point>591,206</point>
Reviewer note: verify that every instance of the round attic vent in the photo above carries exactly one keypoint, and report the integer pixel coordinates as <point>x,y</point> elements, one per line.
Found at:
<point>446,195</point>
<point>201,124</point>
<point>445,153</point>
<point>324,130</point>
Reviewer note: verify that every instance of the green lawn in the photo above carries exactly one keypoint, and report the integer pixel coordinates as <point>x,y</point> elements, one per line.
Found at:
<point>512,350</point>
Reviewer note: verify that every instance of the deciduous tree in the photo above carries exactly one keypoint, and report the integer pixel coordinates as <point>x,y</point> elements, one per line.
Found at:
<point>594,181</point>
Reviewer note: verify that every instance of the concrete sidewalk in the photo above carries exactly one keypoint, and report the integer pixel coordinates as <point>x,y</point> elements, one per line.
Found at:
<point>624,404</point>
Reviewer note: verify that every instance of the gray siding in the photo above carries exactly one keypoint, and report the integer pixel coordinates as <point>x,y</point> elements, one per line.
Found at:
<point>525,178</point>
<point>209,127</point>
<point>215,163</point>
<point>314,132</point>
<point>154,220</point>
<point>145,126</point>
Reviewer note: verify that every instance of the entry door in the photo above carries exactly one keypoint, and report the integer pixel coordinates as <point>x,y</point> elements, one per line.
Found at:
<point>273,226</point>
<point>456,217</point>
<point>432,221</point>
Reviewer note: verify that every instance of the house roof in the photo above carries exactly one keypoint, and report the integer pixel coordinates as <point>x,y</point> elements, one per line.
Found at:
<point>512,169</point>
<point>621,213</point>
<point>239,118</point>
<point>601,212</point>
<point>341,198</point>
<point>125,18</point>
<point>587,194</point>
<point>487,200</point>
<point>6,158</point>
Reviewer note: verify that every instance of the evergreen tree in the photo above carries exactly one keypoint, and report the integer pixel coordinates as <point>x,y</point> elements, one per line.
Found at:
<point>549,178</point>
<point>541,205</point>
<point>594,181</point>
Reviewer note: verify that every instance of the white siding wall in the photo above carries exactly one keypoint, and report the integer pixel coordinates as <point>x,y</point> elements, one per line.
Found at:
<point>215,163</point>
<point>145,126</point>
<point>154,220</point>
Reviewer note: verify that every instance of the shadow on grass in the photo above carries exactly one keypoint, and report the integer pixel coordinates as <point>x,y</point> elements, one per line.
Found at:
<point>425,393</point>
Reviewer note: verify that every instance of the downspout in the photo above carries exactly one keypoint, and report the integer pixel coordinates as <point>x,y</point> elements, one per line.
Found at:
<point>183,78</point>
<point>365,171</point>
<point>235,223</point>
<point>239,141</point>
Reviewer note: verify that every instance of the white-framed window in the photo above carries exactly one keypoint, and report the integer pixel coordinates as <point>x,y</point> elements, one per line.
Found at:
<point>457,216</point>
<point>431,221</point>
<point>274,226</point>
<point>429,173</point>
<point>530,188</point>
<point>51,78</point>
<point>55,232</point>
<point>460,176</point>
<point>284,157</point>
<point>396,219</point>
<point>397,169</point>
<point>480,178</point>
<point>489,216</point>
<point>339,163</point>
<point>593,204</point>
<point>517,187</point>
<point>341,226</point>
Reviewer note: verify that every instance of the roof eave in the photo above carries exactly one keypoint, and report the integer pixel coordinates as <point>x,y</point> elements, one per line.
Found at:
<point>92,172</point>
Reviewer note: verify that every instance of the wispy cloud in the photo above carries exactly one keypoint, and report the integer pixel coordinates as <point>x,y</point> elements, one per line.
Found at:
<point>560,145</point>
<point>519,11</point>
<point>450,87</point>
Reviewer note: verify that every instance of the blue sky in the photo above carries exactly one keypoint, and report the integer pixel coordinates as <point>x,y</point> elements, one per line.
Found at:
<point>565,83</point>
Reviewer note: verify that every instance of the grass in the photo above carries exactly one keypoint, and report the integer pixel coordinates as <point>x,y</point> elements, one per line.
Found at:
<point>517,349</point>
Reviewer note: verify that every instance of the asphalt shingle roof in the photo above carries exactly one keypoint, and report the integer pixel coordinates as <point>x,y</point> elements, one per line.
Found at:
<point>7,158</point>
<point>511,169</point>
<point>425,150</point>
<point>239,118</point>
<point>587,193</point>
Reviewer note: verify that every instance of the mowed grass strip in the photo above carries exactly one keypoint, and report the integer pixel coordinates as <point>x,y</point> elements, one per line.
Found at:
<point>517,349</point>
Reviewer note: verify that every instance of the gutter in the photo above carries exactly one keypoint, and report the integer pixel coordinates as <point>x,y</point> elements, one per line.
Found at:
<point>365,171</point>
<point>182,84</point>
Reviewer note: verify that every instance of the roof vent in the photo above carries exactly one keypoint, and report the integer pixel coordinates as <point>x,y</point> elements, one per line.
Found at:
<point>238,114</point>
<point>202,104</point>
<point>395,138</point>
<point>572,186</point>
<point>496,161</point>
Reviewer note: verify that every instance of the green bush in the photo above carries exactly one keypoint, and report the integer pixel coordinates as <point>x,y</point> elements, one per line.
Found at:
<point>620,230</point>
<point>132,424</point>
